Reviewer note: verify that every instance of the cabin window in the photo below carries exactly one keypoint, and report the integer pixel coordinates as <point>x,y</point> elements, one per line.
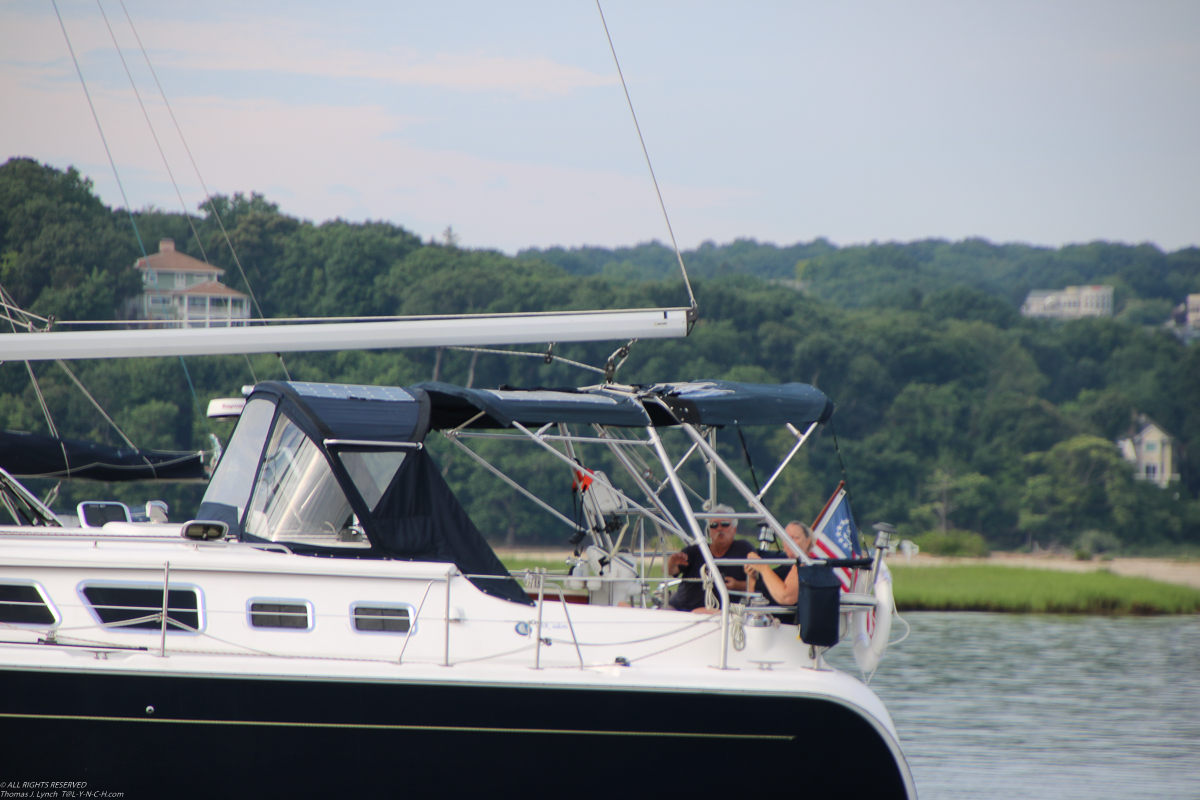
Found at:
<point>1151,447</point>
<point>297,498</point>
<point>234,477</point>
<point>140,607</point>
<point>286,614</point>
<point>371,471</point>
<point>381,618</point>
<point>24,604</point>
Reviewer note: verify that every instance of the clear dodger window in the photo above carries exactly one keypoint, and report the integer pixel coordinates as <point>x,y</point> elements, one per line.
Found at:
<point>297,498</point>
<point>371,470</point>
<point>234,475</point>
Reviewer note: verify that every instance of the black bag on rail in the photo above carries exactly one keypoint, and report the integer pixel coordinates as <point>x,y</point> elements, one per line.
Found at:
<point>818,605</point>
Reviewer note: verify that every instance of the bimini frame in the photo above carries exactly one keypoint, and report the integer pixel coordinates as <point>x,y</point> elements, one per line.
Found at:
<point>626,451</point>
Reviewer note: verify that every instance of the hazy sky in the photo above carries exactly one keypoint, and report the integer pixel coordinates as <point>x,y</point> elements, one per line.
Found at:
<point>1041,122</point>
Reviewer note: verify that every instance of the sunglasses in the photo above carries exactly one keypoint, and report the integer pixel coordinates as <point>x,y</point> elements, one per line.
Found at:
<point>715,525</point>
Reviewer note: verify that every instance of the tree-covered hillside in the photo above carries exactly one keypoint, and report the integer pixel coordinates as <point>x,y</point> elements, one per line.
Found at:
<point>1148,282</point>
<point>953,411</point>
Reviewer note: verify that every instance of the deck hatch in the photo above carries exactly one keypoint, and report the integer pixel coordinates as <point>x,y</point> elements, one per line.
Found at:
<point>275,614</point>
<point>23,604</point>
<point>381,619</point>
<point>140,608</point>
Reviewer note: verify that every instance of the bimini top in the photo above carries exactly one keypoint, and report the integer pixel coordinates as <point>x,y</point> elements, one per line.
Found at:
<point>728,403</point>
<point>710,402</point>
<point>453,406</point>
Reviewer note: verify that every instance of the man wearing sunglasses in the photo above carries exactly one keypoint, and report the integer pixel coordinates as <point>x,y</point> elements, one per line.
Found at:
<point>687,562</point>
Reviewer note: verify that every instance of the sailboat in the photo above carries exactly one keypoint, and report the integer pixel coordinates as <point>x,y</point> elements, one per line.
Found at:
<point>334,622</point>
<point>335,619</point>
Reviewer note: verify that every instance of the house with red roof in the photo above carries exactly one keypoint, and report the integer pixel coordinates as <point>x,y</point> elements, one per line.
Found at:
<point>184,292</point>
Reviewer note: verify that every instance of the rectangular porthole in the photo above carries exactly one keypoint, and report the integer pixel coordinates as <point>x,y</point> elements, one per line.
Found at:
<point>23,604</point>
<point>381,619</point>
<point>140,607</point>
<point>286,614</point>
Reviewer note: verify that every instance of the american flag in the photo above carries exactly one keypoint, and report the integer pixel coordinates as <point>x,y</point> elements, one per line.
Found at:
<point>837,535</point>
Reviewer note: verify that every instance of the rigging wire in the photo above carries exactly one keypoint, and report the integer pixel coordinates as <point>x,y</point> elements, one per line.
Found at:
<point>838,450</point>
<point>37,389</point>
<point>45,409</point>
<point>113,164</point>
<point>749,462</point>
<point>7,305</point>
<point>103,413</point>
<point>153,133</point>
<point>550,356</point>
<point>679,257</point>
<point>100,128</point>
<point>285,369</point>
<point>10,305</point>
<point>195,168</point>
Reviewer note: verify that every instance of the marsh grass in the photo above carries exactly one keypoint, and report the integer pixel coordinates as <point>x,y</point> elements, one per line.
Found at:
<point>1018,590</point>
<point>1009,589</point>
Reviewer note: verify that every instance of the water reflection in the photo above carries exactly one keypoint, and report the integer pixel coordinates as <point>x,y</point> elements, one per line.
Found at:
<point>1035,706</point>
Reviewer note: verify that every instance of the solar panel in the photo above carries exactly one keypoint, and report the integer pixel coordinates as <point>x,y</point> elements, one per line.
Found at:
<point>339,391</point>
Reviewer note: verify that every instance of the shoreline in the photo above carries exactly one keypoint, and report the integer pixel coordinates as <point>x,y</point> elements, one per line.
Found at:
<point>1161,570</point>
<point>1010,583</point>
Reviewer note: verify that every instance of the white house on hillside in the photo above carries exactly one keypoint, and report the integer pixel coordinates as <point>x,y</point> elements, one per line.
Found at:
<point>1151,451</point>
<point>184,292</point>
<point>1072,302</point>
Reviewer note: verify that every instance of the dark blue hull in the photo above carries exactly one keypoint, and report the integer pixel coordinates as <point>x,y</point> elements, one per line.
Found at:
<point>225,737</point>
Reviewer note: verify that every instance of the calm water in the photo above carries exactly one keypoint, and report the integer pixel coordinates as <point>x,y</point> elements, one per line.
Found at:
<point>1034,706</point>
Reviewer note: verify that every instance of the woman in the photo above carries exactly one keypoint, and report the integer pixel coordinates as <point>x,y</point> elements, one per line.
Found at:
<point>781,591</point>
